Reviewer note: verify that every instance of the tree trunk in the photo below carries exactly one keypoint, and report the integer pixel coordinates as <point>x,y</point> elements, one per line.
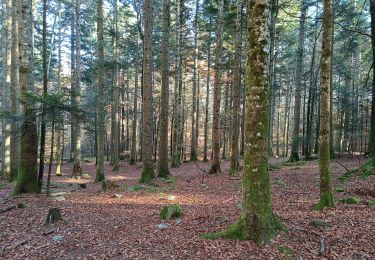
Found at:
<point>236,91</point>
<point>60,124</point>
<point>147,170</point>
<point>6,87</point>
<point>15,88</point>
<point>326,198</point>
<point>101,98</point>
<point>257,221</point>
<point>77,169</point>
<point>27,180</point>
<point>163,168</point>
<point>215,163</point>
<point>193,141</point>
<point>297,98</point>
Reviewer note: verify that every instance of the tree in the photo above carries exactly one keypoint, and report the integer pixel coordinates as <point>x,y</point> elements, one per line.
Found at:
<point>215,163</point>
<point>147,119</point>
<point>326,198</point>
<point>27,180</point>
<point>372,135</point>
<point>100,109</point>
<point>297,99</point>
<point>163,168</point>
<point>236,91</point>
<point>5,101</point>
<point>193,141</point>
<point>77,168</point>
<point>257,221</point>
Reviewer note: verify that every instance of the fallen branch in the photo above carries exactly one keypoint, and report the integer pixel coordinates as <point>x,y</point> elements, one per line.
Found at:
<point>9,208</point>
<point>322,246</point>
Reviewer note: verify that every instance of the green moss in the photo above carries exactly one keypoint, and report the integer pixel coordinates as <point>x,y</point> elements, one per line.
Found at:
<point>115,168</point>
<point>350,200</point>
<point>132,161</point>
<point>99,176</point>
<point>274,166</point>
<point>371,203</point>
<point>320,223</point>
<point>234,231</point>
<point>170,211</point>
<point>279,183</point>
<point>340,189</point>
<point>294,163</point>
<point>147,175</point>
<point>163,172</point>
<point>22,205</point>
<point>26,183</point>
<point>287,252</point>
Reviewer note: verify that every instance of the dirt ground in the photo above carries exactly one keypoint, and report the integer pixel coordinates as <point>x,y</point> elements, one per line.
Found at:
<point>102,225</point>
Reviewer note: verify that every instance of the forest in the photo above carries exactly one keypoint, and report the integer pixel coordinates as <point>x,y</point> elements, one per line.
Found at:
<point>187,129</point>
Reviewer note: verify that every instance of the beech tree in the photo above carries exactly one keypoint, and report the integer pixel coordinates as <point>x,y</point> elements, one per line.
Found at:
<point>257,221</point>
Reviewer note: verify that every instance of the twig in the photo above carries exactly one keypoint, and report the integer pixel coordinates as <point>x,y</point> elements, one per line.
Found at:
<point>322,246</point>
<point>343,166</point>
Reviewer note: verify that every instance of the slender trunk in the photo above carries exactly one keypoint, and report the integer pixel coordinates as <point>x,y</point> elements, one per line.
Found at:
<point>326,198</point>
<point>147,170</point>
<point>163,168</point>
<point>236,91</point>
<point>297,98</point>
<point>101,98</point>
<point>77,169</point>
<point>60,124</point>
<point>51,155</point>
<point>215,163</point>
<point>193,143</point>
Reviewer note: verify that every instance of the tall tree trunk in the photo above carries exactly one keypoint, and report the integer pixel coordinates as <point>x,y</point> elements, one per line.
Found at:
<point>208,81</point>
<point>178,121</point>
<point>51,154</point>
<point>101,98</point>
<point>372,133</point>
<point>257,221</point>
<point>77,168</point>
<point>163,168</point>
<point>45,86</point>
<point>297,98</point>
<point>236,91</point>
<point>133,152</point>
<point>72,80</point>
<point>215,163</point>
<point>193,141</point>
<point>6,87</point>
<point>326,198</point>
<point>60,124</point>
<point>115,107</point>
<point>15,88</point>
<point>147,170</point>
<point>27,180</point>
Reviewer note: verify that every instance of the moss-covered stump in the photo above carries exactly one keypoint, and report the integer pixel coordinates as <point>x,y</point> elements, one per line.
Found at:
<point>350,200</point>
<point>108,185</point>
<point>170,211</point>
<point>54,215</point>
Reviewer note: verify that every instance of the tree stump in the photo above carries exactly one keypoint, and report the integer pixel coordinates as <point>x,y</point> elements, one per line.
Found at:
<point>53,215</point>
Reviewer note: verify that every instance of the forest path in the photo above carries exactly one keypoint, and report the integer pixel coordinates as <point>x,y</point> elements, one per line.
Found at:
<point>101,226</point>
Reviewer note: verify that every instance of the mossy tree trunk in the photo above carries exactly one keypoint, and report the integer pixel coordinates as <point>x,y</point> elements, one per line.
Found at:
<point>326,198</point>
<point>257,221</point>
<point>147,119</point>
<point>215,163</point>
<point>101,109</point>
<point>163,168</point>
<point>27,180</point>
<point>294,156</point>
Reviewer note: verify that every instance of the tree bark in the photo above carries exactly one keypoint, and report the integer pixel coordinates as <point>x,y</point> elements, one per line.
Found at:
<point>27,180</point>
<point>163,168</point>
<point>257,221</point>
<point>297,98</point>
<point>215,163</point>
<point>326,198</point>
<point>147,170</point>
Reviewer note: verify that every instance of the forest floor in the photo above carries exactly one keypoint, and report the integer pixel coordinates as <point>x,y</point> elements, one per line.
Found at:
<point>121,223</point>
